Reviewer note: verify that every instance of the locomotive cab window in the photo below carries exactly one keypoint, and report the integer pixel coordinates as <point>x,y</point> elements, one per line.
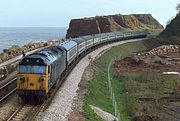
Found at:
<point>39,69</point>
<point>25,69</point>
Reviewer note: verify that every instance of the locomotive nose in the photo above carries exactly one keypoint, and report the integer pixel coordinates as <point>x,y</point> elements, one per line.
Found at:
<point>31,81</point>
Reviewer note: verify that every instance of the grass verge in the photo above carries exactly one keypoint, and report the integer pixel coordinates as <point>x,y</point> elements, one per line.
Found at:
<point>98,91</point>
<point>99,95</point>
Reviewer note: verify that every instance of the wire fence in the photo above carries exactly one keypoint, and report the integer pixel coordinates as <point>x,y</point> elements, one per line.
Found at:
<point>112,94</point>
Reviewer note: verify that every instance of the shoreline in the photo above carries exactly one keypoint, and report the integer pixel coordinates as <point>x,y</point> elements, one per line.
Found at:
<point>16,50</point>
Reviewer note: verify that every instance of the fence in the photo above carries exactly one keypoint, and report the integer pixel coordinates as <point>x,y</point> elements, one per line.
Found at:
<point>112,95</point>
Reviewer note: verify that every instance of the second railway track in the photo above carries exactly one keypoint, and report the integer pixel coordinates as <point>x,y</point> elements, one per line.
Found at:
<point>7,89</point>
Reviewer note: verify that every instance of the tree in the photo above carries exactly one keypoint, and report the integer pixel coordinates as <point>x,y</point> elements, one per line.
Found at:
<point>169,21</point>
<point>178,8</point>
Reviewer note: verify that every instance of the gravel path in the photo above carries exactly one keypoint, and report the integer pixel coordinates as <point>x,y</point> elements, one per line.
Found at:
<point>104,115</point>
<point>62,103</point>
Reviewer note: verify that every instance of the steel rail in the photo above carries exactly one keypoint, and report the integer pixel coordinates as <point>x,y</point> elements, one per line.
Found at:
<point>7,87</point>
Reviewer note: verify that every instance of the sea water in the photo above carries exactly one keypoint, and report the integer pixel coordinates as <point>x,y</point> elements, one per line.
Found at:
<point>24,35</point>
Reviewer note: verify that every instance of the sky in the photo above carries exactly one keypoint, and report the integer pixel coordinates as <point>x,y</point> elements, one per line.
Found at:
<point>58,13</point>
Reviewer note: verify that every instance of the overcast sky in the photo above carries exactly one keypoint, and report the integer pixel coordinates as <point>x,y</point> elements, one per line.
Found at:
<point>58,13</point>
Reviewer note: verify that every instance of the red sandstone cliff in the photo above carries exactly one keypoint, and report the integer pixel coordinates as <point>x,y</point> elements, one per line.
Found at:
<point>103,24</point>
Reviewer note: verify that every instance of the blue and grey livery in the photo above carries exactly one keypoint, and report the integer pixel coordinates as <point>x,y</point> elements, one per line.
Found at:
<point>41,71</point>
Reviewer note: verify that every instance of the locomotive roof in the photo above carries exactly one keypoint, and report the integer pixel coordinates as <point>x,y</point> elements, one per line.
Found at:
<point>44,56</point>
<point>68,44</point>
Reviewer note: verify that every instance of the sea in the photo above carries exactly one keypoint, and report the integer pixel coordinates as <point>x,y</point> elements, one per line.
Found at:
<point>23,35</point>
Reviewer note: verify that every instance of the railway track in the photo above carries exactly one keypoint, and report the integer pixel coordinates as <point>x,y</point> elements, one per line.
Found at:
<point>26,112</point>
<point>172,114</point>
<point>7,89</point>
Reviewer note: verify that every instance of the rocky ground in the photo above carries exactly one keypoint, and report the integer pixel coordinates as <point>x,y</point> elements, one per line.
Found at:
<point>8,72</point>
<point>16,50</point>
<point>151,65</point>
<point>161,59</point>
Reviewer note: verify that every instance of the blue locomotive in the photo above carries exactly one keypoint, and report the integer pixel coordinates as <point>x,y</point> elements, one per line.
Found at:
<point>40,71</point>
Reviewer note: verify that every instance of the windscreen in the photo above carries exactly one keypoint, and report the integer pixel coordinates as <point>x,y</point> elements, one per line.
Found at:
<point>32,69</point>
<point>39,69</point>
<point>25,69</point>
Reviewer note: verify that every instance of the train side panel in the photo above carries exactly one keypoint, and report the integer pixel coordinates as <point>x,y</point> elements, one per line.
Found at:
<point>71,50</point>
<point>104,38</point>
<point>97,39</point>
<point>119,36</point>
<point>81,47</point>
<point>56,69</point>
<point>89,41</point>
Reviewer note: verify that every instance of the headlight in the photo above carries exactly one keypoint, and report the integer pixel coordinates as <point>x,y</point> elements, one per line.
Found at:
<point>22,79</point>
<point>41,79</point>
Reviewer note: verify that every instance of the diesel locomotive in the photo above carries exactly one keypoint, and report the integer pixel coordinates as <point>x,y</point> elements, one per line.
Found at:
<point>40,71</point>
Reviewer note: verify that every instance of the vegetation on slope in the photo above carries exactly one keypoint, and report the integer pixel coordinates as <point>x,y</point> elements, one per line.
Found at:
<point>98,91</point>
<point>172,29</point>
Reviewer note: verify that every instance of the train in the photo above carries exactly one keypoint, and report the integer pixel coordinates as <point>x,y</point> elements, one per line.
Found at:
<point>39,72</point>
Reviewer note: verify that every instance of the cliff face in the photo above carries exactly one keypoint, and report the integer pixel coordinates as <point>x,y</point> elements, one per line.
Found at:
<point>81,27</point>
<point>173,29</point>
<point>103,24</point>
